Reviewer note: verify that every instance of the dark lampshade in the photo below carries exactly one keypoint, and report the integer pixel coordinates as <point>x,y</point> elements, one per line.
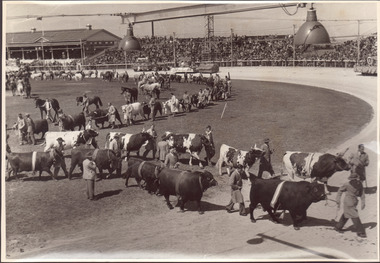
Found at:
<point>311,32</point>
<point>129,42</point>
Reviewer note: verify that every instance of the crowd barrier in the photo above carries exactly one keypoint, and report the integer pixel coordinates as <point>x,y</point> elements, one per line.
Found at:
<point>236,63</point>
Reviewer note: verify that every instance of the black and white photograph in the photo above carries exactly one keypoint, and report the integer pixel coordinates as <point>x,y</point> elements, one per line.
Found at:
<point>189,131</point>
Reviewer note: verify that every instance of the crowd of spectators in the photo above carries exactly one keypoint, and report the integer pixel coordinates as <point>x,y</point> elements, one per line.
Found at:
<point>162,49</point>
<point>239,48</point>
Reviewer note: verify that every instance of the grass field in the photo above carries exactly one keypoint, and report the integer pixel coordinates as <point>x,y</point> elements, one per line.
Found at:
<point>46,214</point>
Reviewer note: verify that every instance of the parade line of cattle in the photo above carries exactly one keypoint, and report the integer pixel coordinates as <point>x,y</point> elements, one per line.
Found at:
<point>295,197</point>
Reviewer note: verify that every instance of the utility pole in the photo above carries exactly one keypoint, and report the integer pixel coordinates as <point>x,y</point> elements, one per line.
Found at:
<point>358,58</point>
<point>294,45</point>
<point>232,37</point>
<point>174,55</point>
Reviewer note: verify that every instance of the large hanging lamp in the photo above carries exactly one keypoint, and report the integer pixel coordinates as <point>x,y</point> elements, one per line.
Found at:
<point>129,42</point>
<point>312,32</point>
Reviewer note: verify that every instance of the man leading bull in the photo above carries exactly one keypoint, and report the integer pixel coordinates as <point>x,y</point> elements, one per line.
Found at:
<point>265,160</point>
<point>57,151</point>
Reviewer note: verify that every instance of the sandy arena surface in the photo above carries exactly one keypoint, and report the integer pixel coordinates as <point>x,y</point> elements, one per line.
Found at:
<point>223,237</point>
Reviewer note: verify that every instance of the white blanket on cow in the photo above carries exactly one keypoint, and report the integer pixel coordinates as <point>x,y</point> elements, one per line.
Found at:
<point>34,157</point>
<point>276,194</point>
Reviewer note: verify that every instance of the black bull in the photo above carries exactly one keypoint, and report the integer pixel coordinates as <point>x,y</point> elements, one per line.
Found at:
<point>24,162</point>
<point>296,197</point>
<point>143,170</point>
<point>156,108</point>
<point>100,116</point>
<point>104,159</point>
<point>133,91</point>
<point>186,185</point>
<point>69,122</point>
<point>40,126</point>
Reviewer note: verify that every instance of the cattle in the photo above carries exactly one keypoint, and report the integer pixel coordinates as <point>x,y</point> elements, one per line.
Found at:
<point>69,122</point>
<point>133,91</point>
<point>143,170</point>
<point>103,158</point>
<point>32,161</point>
<point>156,108</point>
<point>100,116</point>
<point>41,126</point>
<point>133,142</point>
<point>191,143</point>
<point>314,166</point>
<point>130,111</point>
<point>296,197</point>
<point>71,139</point>
<point>79,76</point>
<point>232,157</point>
<point>186,185</point>
<point>110,136</point>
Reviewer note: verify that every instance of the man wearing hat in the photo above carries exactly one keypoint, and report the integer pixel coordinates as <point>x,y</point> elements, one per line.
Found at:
<point>353,189</point>
<point>114,144</point>
<point>111,115</point>
<point>57,151</point>
<point>163,149</point>
<point>186,101</point>
<point>265,160</point>
<point>89,175</point>
<point>358,163</point>
<point>30,129</point>
<point>21,126</point>
<point>236,183</point>
<point>171,159</point>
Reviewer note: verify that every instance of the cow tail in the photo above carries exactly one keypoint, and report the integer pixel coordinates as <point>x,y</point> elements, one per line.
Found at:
<point>100,102</point>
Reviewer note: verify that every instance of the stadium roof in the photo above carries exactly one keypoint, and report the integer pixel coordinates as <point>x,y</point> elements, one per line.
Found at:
<point>55,37</point>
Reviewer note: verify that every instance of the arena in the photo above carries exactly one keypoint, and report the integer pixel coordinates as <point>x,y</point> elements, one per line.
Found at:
<point>310,109</point>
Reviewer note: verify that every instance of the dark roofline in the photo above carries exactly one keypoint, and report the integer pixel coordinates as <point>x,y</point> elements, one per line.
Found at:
<point>79,29</point>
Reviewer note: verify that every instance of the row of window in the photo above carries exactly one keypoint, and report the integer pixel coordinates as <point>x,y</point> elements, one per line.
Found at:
<point>101,42</point>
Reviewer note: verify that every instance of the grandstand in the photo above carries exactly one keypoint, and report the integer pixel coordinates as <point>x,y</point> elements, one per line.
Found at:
<point>98,49</point>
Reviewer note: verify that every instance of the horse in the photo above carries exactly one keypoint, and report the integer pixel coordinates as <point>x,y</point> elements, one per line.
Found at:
<point>54,104</point>
<point>69,122</point>
<point>91,100</point>
<point>152,88</point>
<point>133,91</point>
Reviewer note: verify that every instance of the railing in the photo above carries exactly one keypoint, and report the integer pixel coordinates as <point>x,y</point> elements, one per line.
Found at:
<point>236,63</point>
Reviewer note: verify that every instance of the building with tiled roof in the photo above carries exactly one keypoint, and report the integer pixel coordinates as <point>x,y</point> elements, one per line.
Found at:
<point>59,44</point>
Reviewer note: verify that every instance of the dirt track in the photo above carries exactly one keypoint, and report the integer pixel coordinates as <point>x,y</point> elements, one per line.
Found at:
<point>215,235</point>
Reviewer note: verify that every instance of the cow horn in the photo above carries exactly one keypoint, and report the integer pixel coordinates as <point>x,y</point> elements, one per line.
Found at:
<point>341,154</point>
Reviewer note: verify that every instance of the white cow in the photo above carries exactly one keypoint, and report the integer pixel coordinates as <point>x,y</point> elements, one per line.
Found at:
<point>110,136</point>
<point>78,76</point>
<point>36,75</point>
<point>132,110</point>
<point>70,138</point>
<point>232,157</point>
